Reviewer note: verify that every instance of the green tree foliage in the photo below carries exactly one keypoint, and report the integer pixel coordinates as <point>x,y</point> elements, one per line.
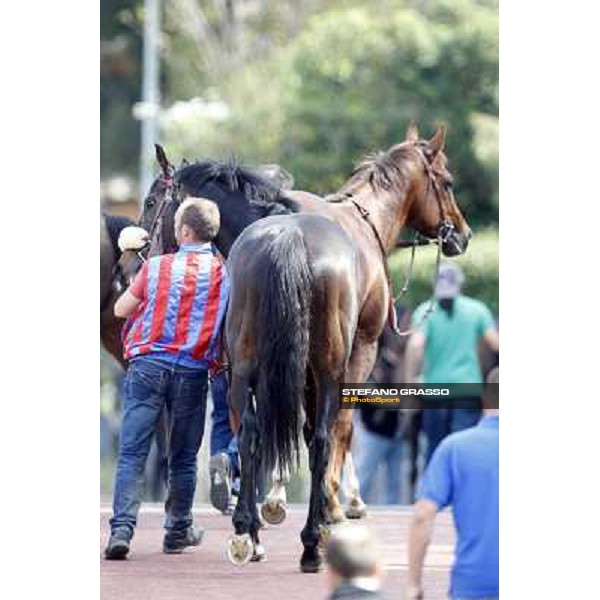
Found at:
<point>120,22</point>
<point>316,84</point>
<point>359,75</point>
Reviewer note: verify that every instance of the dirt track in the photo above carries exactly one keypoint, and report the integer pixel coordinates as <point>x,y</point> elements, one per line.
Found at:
<point>205,572</point>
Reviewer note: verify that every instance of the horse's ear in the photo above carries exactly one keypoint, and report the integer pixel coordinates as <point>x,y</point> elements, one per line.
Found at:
<point>436,143</point>
<point>162,159</point>
<point>412,132</point>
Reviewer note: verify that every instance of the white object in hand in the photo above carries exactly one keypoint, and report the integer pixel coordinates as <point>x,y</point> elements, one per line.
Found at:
<point>133,238</point>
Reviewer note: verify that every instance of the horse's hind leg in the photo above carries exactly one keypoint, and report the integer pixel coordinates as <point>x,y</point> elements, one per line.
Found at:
<point>274,509</point>
<point>318,453</point>
<point>254,482</point>
<point>242,545</point>
<point>360,366</point>
<point>356,508</point>
<point>334,471</point>
<point>341,457</point>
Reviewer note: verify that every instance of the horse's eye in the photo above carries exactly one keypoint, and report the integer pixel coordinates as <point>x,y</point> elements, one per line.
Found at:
<point>150,201</point>
<point>448,184</point>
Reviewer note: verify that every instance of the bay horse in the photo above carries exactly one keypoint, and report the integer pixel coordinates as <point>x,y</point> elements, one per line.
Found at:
<point>310,295</point>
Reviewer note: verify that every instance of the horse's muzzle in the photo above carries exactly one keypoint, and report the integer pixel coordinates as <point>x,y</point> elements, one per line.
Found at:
<point>456,243</point>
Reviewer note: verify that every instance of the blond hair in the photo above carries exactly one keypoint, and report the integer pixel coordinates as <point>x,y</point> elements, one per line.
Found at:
<point>201,215</point>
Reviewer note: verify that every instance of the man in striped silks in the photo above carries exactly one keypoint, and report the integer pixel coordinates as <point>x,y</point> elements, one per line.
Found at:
<point>175,308</point>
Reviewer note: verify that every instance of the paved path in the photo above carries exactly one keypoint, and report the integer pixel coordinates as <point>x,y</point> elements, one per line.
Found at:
<point>205,573</point>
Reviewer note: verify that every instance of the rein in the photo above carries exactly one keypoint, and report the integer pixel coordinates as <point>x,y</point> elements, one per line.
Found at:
<point>119,282</point>
<point>166,200</point>
<point>445,229</point>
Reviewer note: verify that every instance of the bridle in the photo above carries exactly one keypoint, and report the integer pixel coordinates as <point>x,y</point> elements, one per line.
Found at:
<point>157,224</point>
<point>118,277</point>
<point>445,229</point>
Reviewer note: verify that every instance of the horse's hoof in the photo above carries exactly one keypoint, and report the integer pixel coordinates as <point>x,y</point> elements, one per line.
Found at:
<point>357,509</point>
<point>324,534</point>
<point>259,554</point>
<point>274,512</point>
<point>336,514</point>
<point>240,549</point>
<point>310,561</point>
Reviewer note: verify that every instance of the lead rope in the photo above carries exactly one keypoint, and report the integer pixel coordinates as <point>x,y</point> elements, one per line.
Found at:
<point>410,270</point>
<point>392,319</point>
<point>161,209</point>
<point>431,306</point>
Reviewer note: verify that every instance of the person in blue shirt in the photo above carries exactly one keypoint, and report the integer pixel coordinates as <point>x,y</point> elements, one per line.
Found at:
<point>463,473</point>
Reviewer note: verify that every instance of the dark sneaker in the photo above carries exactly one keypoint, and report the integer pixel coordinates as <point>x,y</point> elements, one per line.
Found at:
<point>176,542</point>
<point>118,545</point>
<point>220,482</point>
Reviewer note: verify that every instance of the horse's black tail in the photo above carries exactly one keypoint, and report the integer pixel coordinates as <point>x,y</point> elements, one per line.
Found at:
<point>283,353</point>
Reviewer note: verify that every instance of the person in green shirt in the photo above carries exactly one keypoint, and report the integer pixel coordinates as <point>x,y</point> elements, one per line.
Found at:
<point>444,349</point>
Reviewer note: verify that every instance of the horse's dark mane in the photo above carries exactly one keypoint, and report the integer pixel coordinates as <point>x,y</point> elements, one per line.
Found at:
<point>383,171</point>
<point>114,225</point>
<point>230,176</point>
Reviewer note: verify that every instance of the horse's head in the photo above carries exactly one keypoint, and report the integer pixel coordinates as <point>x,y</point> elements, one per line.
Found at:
<point>242,195</point>
<point>155,234</point>
<point>158,209</point>
<point>433,210</point>
<point>205,179</point>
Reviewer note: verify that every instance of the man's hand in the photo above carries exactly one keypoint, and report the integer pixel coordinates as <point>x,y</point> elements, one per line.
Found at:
<point>126,305</point>
<point>419,537</point>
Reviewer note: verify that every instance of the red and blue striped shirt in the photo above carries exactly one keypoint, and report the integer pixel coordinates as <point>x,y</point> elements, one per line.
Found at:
<point>184,298</point>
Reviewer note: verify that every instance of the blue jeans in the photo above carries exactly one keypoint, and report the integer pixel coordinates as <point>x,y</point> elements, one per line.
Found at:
<point>222,438</point>
<point>375,450</point>
<point>150,385</point>
<point>440,422</point>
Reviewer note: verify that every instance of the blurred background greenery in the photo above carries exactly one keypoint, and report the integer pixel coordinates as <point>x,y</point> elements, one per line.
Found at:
<point>310,84</point>
<point>314,85</point>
